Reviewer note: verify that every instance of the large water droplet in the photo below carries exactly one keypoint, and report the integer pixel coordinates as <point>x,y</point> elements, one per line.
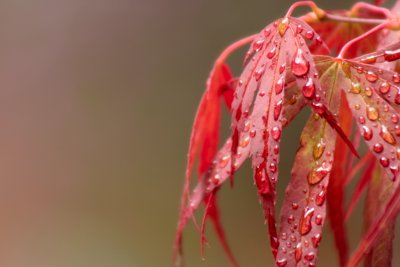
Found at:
<point>271,53</point>
<point>368,91</point>
<point>319,149</point>
<point>276,133</point>
<point>367,133</point>
<point>309,89</point>
<point>281,262</point>
<point>283,26</point>
<point>298,252</point>
<point>316,175</point>
<point>223,161</point>
<point>372,113</point>
<point>318,219</point>
<point>300,65</point>
<point>387,136</point>
<point>320,198</point>
<point>309,35</point>
<point>371,76</point>
<point>384,88</point>
<point>279,85</point>
<point>257,45</point>
<point>309,256</point>
<point>278,109</point>
<point>316,240</point>
<point>305,221</point>
<point>384,161</point>
<point>244,141</point>
<point>378,148</point>
<point>259,72</point>
<point>355,88</point>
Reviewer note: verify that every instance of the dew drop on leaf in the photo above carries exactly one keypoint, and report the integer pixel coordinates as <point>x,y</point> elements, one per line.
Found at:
<point>305,221</point>
<point>276,133</point>
<point>384,161</point>
<point>319,149</point>
<point>309,89</point>
<point>281,262</point>
<point>367,133</point>
<point>300,65</point>
<point>378,148</point>
<point>298,252</point>
<point>371,76</point>
<point>372,113</point>
<point>387,136</point>
<point>384,88</point>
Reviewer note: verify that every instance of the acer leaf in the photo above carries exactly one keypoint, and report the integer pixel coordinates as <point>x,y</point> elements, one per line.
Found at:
<point>336,188</point>
<point>379,190</point>
<point>303,212</point>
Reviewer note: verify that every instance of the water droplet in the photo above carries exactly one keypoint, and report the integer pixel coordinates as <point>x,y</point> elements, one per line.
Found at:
<point>357,106</point>
<point>258,73</point>
<point>397,98</point>
<point>300,66</point>
<point>262,93</point>
<point>372,113</point>
<point>310,256</point>
<point>290,219</point>
<point>384,88</point>
<point>305,221</point>
<point>367,133</point>
<point>318,219</point>
<point>298,252</point>
<point>394,118</point>
<point>320,198</point>
<point>371,76</point>
<point>276,133</point>
<point>253,133</point>
<point>361,119</point>
<point>245,141</point>
<point>355,88</point>
<point>272,167</point>
<point>267,32</point>
<point>279,85</point>
<point>247,126</point>
<point>223,161</point>
<point>284,236</point>
<point>281,262</point>
<point>394,169</point>
<point>283,26</point>
<point>316,240</point>
<point>276,149</point>
<point>316,175</point>
<point>368,91</point>
<point>396,78</point>
<point>278,109</point>
<point>378,148</point>
<point>384,161</point>
<point>309,35</point>
<point>271,53</point>
<point>319,149</point>
<point>282,68</point>
<point>309,89</point>
<point>295,206</point>
<point>387,136</point>
<point>299,28</point>
<point>257,45</point>
<point>216,179</point>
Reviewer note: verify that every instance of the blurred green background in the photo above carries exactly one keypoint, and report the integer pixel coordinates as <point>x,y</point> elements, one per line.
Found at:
<point>96,104</point>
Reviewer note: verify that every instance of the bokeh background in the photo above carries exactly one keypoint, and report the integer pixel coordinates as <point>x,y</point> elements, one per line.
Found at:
<point>96,103</point>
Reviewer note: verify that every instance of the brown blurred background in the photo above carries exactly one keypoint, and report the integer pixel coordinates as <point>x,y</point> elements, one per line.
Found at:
<point>96,103</point>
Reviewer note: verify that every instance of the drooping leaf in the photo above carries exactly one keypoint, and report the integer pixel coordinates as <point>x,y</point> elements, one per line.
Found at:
<point>336,188</point>
<point>379,190</point>
<point>259,98</point>
<point>303,212</point>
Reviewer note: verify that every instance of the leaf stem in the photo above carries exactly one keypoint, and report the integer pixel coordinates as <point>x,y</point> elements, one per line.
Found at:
<point>333,17</point>
<point>361,37</point>
<point>229,50</point>
<point>318,12</point>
